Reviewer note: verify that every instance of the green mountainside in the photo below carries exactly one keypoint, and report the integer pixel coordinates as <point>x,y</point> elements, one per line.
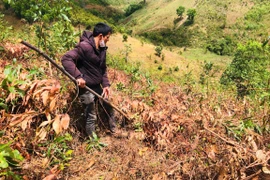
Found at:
<point>218,25</point>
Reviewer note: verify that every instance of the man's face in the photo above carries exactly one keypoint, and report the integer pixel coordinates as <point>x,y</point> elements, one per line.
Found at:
<point>106,38</point>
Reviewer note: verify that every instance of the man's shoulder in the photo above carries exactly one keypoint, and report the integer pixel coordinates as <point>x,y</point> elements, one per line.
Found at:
<point>72,52</point>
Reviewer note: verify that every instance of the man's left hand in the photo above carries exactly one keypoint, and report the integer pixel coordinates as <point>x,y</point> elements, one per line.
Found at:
<point>106,92</point>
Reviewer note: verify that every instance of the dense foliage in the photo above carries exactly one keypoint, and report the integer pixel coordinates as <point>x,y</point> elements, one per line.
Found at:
<point>132,8</point>
<point>39,10</point>
<point>4,28</point>
<point>180,10</point>
<point>178,37</point>
<point>248,70</point>
<point>223,46</point>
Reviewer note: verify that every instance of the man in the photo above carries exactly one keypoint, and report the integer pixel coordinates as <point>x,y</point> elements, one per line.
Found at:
<point>87,63</point>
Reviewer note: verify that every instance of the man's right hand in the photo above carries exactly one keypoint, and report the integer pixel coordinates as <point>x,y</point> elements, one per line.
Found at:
<point>81,82</point>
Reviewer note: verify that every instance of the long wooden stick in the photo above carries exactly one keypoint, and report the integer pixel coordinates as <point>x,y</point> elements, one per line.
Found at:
<point>71,77</point>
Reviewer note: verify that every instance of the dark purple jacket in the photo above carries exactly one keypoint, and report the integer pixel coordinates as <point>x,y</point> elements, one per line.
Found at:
<point>86,61</point>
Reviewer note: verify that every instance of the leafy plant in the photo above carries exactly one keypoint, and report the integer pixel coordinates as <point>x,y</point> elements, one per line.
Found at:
<point>127,51</point>
<point>120,86</point>
<point>53,26</point>
<point>158,50</point>
<point>138,127</point>
<point>9,161</point>
<point>59,151</point>
<point>239,131</point>
<point>180,10</point>
<point>94,143</point>
<point>207,73</point>
<point>191,14</point>
<point>4,28</point>
<point>11,85</point>
<point>247,70</point>
<point>224,46</point>
<point>132,8</point>
<point>125,37</point>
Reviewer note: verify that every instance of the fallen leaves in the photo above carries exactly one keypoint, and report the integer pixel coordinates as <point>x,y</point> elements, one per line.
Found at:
<point>41,98</point>
<point>60,123</point>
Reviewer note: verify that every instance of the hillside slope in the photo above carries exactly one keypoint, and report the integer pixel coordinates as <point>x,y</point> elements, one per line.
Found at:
<point>156,15</point>
<point>237,20</point>
<point>188,60</point>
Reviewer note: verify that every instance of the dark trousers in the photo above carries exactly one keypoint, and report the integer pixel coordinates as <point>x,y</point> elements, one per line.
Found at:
<point>89,101</point>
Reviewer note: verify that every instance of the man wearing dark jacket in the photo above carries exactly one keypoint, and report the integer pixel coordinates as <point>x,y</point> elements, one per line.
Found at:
<point>87,63</point>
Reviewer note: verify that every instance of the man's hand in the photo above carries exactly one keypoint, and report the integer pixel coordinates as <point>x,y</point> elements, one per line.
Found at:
<point>106,92</point>
<point>81,82</point>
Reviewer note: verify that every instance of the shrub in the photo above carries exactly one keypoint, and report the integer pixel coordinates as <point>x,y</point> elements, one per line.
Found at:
<point>223,46</point>
<point>125,37</point>
<point>158,50</point>
<point>191,14</point>
<point>180,10</point>
<point>132,8</point>
<point>9,161</point>
<point>248,70</point>
<point>4,29</point>
<point>36,10</point>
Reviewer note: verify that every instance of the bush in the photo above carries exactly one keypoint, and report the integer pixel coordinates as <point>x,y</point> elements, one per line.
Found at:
<point>169,37</point>
<point>180,10</point>
<point>33,10</point>
<point>158,50</point>
<point>125,37</point>
<point>191,14</point>
<point>248,70</point>
<point>224,46</point>
<point>176,68</point>
<point>132,8</point>
<point>4,29</point>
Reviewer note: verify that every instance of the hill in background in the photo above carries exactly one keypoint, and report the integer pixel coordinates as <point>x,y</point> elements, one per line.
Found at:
<point>218,25</point>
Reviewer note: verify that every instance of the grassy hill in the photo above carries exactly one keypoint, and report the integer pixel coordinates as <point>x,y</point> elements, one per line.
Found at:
<point>236,21</point>
<point>218,25</point>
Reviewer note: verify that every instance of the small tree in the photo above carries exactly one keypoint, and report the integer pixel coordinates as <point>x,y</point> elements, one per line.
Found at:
<point>125,37</point>
<point>158,50</point>
<point>127,51</point>
<point>180,11</point>
<point>248,70</point>
<point>191,14</point>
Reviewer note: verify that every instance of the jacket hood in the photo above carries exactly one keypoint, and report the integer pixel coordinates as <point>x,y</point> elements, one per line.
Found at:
<point>86,36</point>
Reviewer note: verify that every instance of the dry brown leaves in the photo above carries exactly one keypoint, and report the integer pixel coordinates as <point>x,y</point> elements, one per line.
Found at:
<point>176,124</point>
<point>42,98</point>
<point>12,50</point>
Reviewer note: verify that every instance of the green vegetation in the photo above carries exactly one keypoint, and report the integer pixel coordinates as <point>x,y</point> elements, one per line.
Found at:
<point>179,37</point>
<point>248,69</point>
<point>191,14</point>
<point>132,8</point>
<point>223,46</point>
<point>9,161</point>
<point>4,28</point>
<point>158,50</point>
<point>59,151</point>
<point>33,10</point>
<point>180,10</point>
<point>94,143</point>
